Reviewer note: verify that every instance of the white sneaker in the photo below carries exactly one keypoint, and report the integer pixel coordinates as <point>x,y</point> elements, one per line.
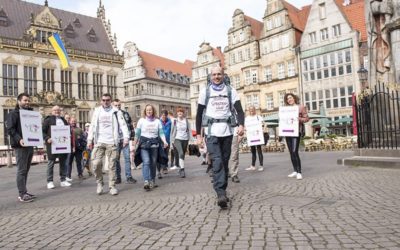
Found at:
<point>50,185</point>
<point>251,168</point>
<point>65,184</point>
<point>299,176</point>
<point>260,168</point>
<point>68,179</point>
<point>99,189</point>
<point>294,174</point>
<point>173,168</point>
<point>113,191</point>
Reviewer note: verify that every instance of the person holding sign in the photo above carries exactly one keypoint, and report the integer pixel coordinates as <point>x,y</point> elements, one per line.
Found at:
<point>255,137</point>
<point>23,153</point>
<point>293,141</point>
<point>57,136</point>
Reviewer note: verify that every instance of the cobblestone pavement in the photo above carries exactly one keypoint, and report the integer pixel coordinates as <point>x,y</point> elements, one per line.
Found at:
<point>333,207</point>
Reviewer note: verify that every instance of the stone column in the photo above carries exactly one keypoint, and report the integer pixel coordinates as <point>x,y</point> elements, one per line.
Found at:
<point>394,28</point>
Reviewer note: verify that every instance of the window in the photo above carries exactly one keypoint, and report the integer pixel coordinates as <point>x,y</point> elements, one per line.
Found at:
<point>340,57</point>
<point>312,64</point>
<point>285,41</point>
<point>42,36</point>
<point>83,85</point>
<point>48,80</point>
<point>312,76</point>
<point>270,101</point>
<point>335,98</point>
<point>247,55</point>
<point>256,102</point>
<point>195,89</point>
<point>275,44</point>
<point>324,34</point>
<point>305,65</point>
<point>247,77</point>
<point>349,95</point>
<point>322,11</point>
<point>333,59</point>
<point>66,83</point>
<point>319,74</point>
<point>343,97</point>
<point>137,110</point>
<point>348,69</point>
<point>236,80</point>
<point>291,69</point>
<point>240,56</point>
<point>341,70</point>
<point>270,24</point>
<point>305,76</point>
<point>328,98</point>
<point>126,91</point>
<point>281,70</point>
<point>318,62</point>
<point>265,48</point>
<point>277,21</point>
<point>314,100</point>
<point>333,72</point>
<point>233,58</point>
<point>83,118</point>
<point>307,100</point>
<point>241,37</point>
<point>326,73</point>
<point>249,101</point>
<point>336,30</point>
<point>30,80</point>
<point>254,76</point>
<point>347,56</point>
<point>97,86</point>
<point>282,98</point>
<point>112,85</point>
<point>313,37</point>
<point>268,74</point>
<point>325,60</point>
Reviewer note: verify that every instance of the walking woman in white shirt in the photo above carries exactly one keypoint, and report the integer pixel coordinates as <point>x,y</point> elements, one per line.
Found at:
<point>180,136</point>
<point>147,137</point>
<point>254,118</point>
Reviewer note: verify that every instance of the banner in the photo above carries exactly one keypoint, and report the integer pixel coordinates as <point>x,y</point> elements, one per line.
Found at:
<point>31,125</point>
<point>56,42</point>
<point>60,139</point>
<point>254,131</point>
<point>289,121</point>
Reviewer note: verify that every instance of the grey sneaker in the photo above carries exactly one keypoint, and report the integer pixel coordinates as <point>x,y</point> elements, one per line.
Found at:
<point>146,185</point>
<point>113,191</point>
<point>99,188</point>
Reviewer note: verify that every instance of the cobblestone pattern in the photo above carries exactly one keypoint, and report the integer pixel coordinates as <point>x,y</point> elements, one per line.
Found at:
<point>333,207</point>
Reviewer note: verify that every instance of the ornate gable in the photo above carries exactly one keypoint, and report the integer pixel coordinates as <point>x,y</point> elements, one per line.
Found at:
<point>49,65</point>
<point>47,19</point>
<point>31,62</point>
<point>11,60</point>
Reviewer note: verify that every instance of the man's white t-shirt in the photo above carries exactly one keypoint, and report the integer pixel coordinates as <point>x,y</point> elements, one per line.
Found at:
<point>149,128</point>
<point>182,129</point>
<point>105,126</point>
<point>218,108</point>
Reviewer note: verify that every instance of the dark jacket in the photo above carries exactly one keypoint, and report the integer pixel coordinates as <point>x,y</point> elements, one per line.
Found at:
<point>14,129</point>
<point>47,123</point>
<point>128,121</point>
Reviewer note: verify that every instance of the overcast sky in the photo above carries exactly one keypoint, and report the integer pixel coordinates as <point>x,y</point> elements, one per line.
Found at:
<point>169,28</point>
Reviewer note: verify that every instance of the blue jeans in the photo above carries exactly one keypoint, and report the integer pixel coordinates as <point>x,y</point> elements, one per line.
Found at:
<point>127,161</point>
<point>149,158</point>
<point>219,149</point>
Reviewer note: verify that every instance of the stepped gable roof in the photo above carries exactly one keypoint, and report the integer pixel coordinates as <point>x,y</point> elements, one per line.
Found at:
<point>218,53</point>
<point>256,26</point>
<point>297,17</point>
<point>19,15</point>
<point>153,62</point>
<point>355,15</point>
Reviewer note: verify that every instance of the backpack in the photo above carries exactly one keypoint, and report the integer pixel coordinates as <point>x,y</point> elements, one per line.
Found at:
<point>81,143</point>
<point>128,122</point>
<point>206,120</point>
<point>187,124</point>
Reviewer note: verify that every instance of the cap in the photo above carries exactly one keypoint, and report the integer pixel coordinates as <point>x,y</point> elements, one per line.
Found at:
<point>87,124</point>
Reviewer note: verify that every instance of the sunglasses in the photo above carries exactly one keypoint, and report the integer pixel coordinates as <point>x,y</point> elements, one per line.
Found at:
<point>106,100</point>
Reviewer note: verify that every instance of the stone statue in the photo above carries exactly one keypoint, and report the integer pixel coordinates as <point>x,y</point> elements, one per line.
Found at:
<point>381,11</point>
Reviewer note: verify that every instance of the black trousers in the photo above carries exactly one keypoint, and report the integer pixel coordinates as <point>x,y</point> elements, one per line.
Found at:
<point>254,157</point>
<point>293,145</point>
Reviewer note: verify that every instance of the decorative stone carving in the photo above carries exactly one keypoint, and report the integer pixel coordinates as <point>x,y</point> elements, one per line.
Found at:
<point>11,60</point>
<point>49,65</point>
<point>52,98</point>
<point>47,19</point>
<point>83,68</point>
<point>97,70</point>
<point>31,62</point>
<point>84,105</point>
<point>10,102</point>
<point>112,72</point>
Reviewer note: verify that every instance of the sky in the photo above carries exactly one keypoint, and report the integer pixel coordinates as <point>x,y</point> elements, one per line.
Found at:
<point>169,28</point>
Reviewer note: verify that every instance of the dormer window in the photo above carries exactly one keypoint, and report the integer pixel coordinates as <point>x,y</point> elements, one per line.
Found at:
<point>42,36</point>
<point>69,31</point>
<point>77,23</point>
<point>3,18</point>
<point>92,35</point>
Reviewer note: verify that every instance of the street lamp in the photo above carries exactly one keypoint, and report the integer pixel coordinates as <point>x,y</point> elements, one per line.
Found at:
<point>363,76</point>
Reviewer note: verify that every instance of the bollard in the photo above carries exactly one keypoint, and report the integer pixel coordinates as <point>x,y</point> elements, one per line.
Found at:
<point>9,159</point>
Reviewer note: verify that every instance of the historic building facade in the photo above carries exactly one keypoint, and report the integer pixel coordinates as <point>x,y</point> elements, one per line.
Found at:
<point>29,63</point>
<point>331,52</point>
<point>207,58</point>
<point>152,79</point>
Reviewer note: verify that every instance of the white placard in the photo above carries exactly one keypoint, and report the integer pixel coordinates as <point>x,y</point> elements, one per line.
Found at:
<point>31,125</point>
<point>60,139</point>
<point>289,121</point>
<point>254,132</point>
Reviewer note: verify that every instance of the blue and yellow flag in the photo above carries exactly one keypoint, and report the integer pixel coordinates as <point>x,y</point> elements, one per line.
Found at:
<point>58,46</point>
